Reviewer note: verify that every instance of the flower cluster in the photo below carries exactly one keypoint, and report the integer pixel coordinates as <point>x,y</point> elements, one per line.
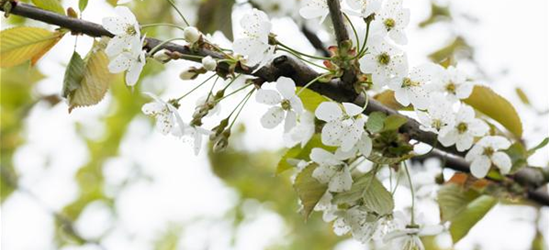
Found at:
<point>348,137</point>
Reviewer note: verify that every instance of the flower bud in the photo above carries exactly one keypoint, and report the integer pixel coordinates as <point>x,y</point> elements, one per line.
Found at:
<point>209,63</point>
<point>188,74</point>
<point>191,34</point>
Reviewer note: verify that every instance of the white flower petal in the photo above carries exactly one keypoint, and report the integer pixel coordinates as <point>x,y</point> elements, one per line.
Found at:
<point>332,133</point>
<point>351,109</point>
<point>272,117</point>
<point>328,111</point>
<point>502,161</point>
<point>341,181</point>
<point>480,166</point>
<point>268,96</point>
<point>286,87</point>
<point>323,174</point>
<point>290,121</point>
<point>464,142</point>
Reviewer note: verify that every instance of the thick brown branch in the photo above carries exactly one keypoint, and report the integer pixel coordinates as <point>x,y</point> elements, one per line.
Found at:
<point>530,178</point>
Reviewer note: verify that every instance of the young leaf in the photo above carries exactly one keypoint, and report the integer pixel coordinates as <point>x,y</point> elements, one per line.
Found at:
<point>21,44</point>
<point>387,98</point>
<point>375,122</point>
<point>393,122</point>
<point>73,75</point>
<point>300,153</point>
<point>96,79</point>
<point>518,155</point>
<point>522,96</point>
<point>496,107</point>
<point>541,145</point>
<point>453,199</point>
<point>311,99</point>
<point>82,4</point>
<point>377,198</point>
<point>470,216</point>
<point>380,159</point>
<point>51,5</point>
<point>356,192</point>
<point>308,189</point>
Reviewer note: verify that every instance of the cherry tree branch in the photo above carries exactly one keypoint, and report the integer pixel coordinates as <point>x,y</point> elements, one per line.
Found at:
<point>533,179</point>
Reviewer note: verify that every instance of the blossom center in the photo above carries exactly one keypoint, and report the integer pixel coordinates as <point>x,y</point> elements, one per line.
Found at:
<point>462,127</point>
<point>437,124</point>
<point>130,30</point>
<point>488,151</point>
<point>384,58</point>
<point>407,82</point>
<point>286,104</point>
<point>389,23</point>
<point>451,88</point>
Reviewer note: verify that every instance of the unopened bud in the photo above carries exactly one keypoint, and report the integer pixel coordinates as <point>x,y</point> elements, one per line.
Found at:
<point>72,13</point>
<point>161,56</point>
<point>191,34</point>
<point>188,74</point>
<point>219,94</point>
<point>209,63</point>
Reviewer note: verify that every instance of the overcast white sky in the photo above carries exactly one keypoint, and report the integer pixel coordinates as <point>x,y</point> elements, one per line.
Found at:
<point>511,35</point>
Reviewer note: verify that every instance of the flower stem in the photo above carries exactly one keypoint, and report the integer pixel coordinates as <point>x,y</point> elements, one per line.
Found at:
<point>411,191</point>
<point>301,53</point>
<point>178,12</point>
<point>354,31</point>
<point>241,104</point>
<point>309,83</point>
<point>159,46</point>
<point>234,92</point>
<point>195,88</point>
<point>151,25</point>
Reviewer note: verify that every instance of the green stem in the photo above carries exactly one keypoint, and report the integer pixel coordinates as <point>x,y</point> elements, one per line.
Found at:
<point>303,59</point>
<point>411,191</point>
<point>301,53</point>
<point>309,83</point>
<point>354,31</point>
<point>234,92</point>
<point>242,104</point>
<point>178,12</point>
<point>150,25</point>
<point>363,50</point>
<point>159,46</point>
<point>195,88</point>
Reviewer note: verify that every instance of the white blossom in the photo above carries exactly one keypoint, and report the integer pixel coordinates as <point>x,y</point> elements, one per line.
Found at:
<point>331,170</point>
<point>209,63</point>
<point>166,114</point>
<point>412,89</point>
<point>254,42</point>
<point>488,151</point>
<point>132,61</point>
<point>314,9</point>
<point>125,29</point>
<point>409,237</point>
<point>302,132</point>
<point>277,8</point>
<point>384,61</point>
<point>191,34</point>
<point>453,84</point>
<point>285,104</point>
<point>439,114</point>
<point>193,135</point>
<point>393,19</point>
<point>466,127</point>
<point>363,8</point>
<point>344,126</point>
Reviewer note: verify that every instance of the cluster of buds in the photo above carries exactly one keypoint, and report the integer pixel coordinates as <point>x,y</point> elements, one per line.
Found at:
<point>220,135</point>
<point>204,108</point>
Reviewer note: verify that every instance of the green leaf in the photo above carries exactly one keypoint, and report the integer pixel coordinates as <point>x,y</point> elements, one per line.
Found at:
<point>21,44</point>
<point>394,122</point>
<point>95,82</point>
<point>453,199</point>
<point>380,159</point>
<point>470,216</point>
<point>541,145</point>
<point>308,189</point>
<point>311,99</point>
<point>375,122</point>
<point>82,4</point>
<point>518,155</point>
<point>496,107</point>
<point>356,192</point>
<point>377,198</point>
<point>51,5</point>
<point>74,74</point>
<point>523,97</point>
<point>300,153</point>
<point>214,15</point>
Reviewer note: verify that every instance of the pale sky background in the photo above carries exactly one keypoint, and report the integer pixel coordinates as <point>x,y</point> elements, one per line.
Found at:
<point>511,35</point>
